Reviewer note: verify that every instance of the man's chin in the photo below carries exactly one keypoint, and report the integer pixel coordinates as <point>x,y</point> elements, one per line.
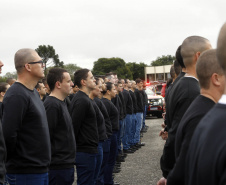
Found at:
<point>92,88</point>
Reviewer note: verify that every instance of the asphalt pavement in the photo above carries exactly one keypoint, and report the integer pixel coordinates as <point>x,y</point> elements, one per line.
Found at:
<point>143,167</point>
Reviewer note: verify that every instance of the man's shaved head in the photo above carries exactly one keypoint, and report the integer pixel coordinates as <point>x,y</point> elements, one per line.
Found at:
<point>207,64</point>
<point>24,56</point>
<point>221,48</point>
<point>191,46</point>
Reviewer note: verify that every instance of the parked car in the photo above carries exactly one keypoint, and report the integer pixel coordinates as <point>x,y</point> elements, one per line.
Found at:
<point>160,89</point>
<point>155,102</point>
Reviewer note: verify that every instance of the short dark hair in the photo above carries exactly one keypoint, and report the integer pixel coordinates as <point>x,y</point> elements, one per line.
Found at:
<point>54,75</point>
<point>44,80</point>
<point>3,86</point>
<point>79,75</point>
<point>108,87</point>
<point>38,85</point>
<point>169,81</point>
<point>138,80</point>
<point>177,67</point>
<point>179,57</point>
<point>172,72</point>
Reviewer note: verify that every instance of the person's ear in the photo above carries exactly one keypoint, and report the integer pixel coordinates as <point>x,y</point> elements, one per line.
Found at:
<point>27,67</point>
<point>197,55</point>
<point>58,85</point>
<point>108,92</point>
<point>83,82</point>
<point>2,94</point>
<point>216,79</point>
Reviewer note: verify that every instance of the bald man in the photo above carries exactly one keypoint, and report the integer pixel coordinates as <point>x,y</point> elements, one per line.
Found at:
<point>181,96</point>
<point>206,156</point>
<point>2,147</point>
<point>25,125</point>
<point>212,83</point>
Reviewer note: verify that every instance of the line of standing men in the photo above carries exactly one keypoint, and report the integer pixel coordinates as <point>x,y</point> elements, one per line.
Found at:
<point>194,149</point>
<point>44,141</point>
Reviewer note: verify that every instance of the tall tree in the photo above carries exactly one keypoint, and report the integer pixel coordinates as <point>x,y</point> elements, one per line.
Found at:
<point>137,69</point>
<point>163,60</point>
<point>116,65</point>
<point>49,56</point>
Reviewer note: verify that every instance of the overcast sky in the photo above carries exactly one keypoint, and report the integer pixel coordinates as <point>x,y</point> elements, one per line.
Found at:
<point>81,31</point>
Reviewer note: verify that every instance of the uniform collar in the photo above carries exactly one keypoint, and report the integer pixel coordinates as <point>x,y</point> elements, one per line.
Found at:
<point>192,77</point>
<point>223,99</point>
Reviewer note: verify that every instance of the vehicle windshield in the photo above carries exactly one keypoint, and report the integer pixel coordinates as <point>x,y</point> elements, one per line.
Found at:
<point>150,91</point>
<point>159,88</point>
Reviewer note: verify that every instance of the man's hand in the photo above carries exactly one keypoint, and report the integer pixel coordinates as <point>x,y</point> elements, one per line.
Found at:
<point>163,134</point>
<point>162,181</point>
<point>163,125</point>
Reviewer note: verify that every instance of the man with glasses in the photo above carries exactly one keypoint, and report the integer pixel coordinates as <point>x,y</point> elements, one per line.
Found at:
<point>26,132</point>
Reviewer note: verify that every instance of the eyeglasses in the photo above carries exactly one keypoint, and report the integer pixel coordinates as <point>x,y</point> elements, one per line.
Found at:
<point>38,62</point>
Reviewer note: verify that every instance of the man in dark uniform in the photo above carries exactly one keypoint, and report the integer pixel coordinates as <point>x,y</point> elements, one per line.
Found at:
<point>211,80</point>
<point>85,127</point>
<point>60,128</point>
<point>128,124</point>
<point>26,133</point>
<point>139,111</point>
<point>206,159</point>
<point>181,96</point>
